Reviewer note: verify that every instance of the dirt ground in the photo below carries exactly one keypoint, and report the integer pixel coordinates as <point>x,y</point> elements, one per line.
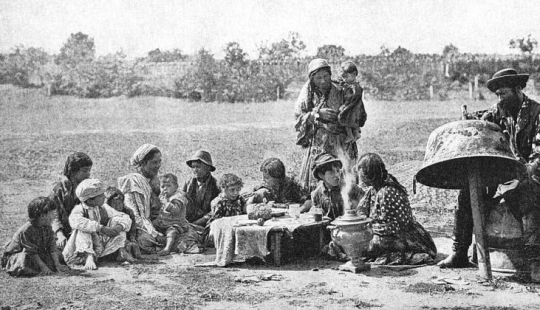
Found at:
<point>174,282</point>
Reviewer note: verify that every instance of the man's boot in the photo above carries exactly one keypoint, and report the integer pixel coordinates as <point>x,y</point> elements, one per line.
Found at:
<point>462,235</point>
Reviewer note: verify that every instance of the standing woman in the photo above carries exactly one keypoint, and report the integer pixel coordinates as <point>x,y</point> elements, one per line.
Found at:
<point>398,239</point>
<point>137,196</point>
<point>77,169</point>
<point>316,113</point>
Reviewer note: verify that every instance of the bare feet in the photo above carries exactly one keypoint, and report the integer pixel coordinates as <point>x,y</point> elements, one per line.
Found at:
<point>164,252</point>
<point>90,263</point>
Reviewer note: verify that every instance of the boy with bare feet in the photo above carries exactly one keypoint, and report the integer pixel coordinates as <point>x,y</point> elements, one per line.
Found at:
<point>98,229</point>
<point>32,250</point>
<point>171,220</point>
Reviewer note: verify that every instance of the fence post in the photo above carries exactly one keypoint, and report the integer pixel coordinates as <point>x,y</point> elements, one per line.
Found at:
<point>471,90</point>
<point>278,93</point>
<point>430,91</point>
<point>476,90</point>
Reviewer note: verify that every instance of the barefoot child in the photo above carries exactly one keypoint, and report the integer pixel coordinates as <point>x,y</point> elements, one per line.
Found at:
<point>98,229</point>
<point>171,220</point>
<point>115,199</point>
<point>352,115</point>
<point>32,249</point>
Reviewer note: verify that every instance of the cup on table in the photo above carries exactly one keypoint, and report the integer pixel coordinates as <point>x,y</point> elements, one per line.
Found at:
<point>294,210</point>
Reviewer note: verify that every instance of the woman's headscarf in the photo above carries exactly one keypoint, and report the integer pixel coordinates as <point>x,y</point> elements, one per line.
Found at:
<point>139,155</point>
<point>317,65</point>
<point>89,188</point>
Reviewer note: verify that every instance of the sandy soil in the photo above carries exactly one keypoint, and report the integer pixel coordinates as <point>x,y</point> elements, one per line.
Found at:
<point>311,284</point>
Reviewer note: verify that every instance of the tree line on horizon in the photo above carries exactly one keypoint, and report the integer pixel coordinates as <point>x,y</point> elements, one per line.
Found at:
<point>390,75</point>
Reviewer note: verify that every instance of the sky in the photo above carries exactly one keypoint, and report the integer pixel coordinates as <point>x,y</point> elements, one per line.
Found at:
<point>361,27</point>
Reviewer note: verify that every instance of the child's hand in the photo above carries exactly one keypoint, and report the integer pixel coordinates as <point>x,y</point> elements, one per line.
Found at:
<point>60,240</point>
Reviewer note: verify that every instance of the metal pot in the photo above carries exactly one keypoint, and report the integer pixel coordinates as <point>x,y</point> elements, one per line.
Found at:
<point>352,233</point>
<point>451,146</point>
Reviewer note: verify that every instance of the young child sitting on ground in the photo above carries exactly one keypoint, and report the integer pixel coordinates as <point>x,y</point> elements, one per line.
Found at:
<point>352,115</point>
<point>327,195</point>
<point>32,249</point>
<point>98,229</point>
<point>171,220</point>
<point>115,199</point>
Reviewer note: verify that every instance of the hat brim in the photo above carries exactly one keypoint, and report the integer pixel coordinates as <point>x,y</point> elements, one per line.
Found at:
<point>189,162</point>
<point>507,81</point>
<point>318,167</point>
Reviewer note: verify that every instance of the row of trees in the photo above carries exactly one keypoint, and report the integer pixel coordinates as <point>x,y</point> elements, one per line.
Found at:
<point>397,74</point>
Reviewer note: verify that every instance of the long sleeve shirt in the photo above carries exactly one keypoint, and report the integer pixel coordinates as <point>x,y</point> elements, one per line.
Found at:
<point>92,219</point>
<point>63,194</point>
<point>523,132</point>
<point>135,202</point>
<point>33,239</point>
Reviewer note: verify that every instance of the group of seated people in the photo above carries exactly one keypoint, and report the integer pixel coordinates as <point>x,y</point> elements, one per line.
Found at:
<point>83,221</point>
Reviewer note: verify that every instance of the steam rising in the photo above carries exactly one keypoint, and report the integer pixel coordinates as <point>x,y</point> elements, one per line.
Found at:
<point>348,178</point>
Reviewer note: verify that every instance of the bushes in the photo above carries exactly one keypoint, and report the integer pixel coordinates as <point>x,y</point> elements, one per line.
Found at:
<point>231,81</point>
<point>108,76</point>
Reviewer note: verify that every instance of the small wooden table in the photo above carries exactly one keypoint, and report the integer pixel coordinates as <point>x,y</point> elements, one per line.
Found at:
<point>278,226</point>
<point>276,233</point>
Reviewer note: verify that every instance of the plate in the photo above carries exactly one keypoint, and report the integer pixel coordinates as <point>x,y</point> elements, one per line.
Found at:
<point>245,222</point>
<point>278,212</point>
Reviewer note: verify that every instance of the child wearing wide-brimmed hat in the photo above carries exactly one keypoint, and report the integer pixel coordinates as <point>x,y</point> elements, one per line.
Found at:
<point>328,194</point>
<point>201,189</point>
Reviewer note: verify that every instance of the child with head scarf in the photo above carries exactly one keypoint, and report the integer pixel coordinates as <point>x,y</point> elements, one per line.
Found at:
<point>98,229</point>
<point>32,250</point>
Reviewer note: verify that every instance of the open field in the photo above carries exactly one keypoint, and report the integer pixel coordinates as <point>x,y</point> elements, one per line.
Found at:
<point>37,134</point>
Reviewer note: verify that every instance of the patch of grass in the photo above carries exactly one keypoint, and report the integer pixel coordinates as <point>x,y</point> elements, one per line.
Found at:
<point>428,288</point>
<point>473,308</point>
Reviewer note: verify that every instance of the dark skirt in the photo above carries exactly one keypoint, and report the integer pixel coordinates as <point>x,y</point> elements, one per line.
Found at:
<point>411,246</point>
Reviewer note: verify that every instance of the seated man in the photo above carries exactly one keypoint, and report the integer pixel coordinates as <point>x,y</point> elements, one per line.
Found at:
<point>519,117</point>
